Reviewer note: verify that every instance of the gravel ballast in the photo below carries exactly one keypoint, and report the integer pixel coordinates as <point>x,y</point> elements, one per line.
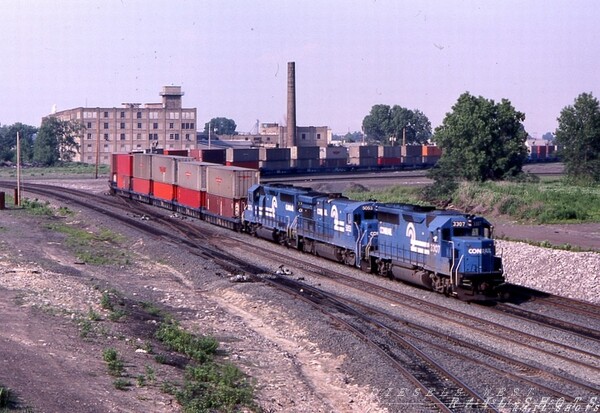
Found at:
<point>564,273</point>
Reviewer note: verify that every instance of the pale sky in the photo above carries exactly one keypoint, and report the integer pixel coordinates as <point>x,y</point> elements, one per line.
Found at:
<point>230,56</point>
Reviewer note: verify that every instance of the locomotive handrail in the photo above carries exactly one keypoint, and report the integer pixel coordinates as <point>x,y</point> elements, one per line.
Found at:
<point>456,272</point>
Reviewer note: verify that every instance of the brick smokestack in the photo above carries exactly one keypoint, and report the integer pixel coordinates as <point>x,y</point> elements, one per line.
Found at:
<point>291,105</point>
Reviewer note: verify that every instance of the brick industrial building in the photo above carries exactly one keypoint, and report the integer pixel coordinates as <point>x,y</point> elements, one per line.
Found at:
<point>134,127</point>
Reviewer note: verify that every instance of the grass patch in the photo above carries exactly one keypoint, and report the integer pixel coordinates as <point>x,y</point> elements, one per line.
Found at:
<point>208,385</point>
<point>395,194</point>
<point>101,248</point>
<point>551,202</point>
<point>75,169</point>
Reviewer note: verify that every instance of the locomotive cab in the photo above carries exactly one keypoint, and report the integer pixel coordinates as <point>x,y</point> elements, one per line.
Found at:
<point>475,269</point>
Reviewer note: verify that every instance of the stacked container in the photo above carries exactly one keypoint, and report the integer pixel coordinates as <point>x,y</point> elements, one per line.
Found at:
<point>274,159</point>
<point>244,158</point>
<point>142,173</point>
<point>304,157</point>
<point>431,154</point>
<point>227,189</point>
<point>122,169</point>
<point>209,155</point>
<point>388,155</point>
<point>411,155</point>
<point>164,175</point>
<point>364,155</point>
<point>191,183</point>
<point>333,156</point>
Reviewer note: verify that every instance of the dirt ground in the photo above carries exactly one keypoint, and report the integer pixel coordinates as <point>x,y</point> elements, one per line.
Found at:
<point>51,355</point>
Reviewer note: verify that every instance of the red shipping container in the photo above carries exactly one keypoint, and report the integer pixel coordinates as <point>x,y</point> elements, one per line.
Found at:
<point>141,186</point>
<point>225,207</point>
<point>388,161</point>
<point>164,191</point>
<point>122,164</point>
<point>123,181</point>
<point>249,164</point>
<point>191,198</point>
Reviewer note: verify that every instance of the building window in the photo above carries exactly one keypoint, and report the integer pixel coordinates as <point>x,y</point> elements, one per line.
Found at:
<point>171,136</point>
<point>155,125</point>
<point>187,137</point>
<point>153,115</point>
<point>138,146</point>
<point>122,136</point>
<point>89,145</point>
<point>89,136</point>
<point>106,137</point>
<point>122,114</point>
<point>105,125</point>
<point>139,115</point>
<point>89,158</point>
<point>105,146</point>
<point>139,125</point>
<point>176,136</point>
<point>304,136</point>
<point>106,114</point>
<point>122,125</point>
<point>318,136</point>
<point>192,125</point>
<point>89,125</point>
<point>138,136</point>
<point>171,125</point>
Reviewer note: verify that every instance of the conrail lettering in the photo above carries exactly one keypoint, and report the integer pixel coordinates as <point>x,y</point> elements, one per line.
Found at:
<point>479,251</point>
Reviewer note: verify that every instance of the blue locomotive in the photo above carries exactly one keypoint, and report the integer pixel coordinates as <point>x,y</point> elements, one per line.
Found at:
<point>445,251</point>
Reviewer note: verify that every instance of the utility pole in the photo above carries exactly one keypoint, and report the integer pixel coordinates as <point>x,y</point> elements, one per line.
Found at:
<point>97,152</point>
<point>18,190</point>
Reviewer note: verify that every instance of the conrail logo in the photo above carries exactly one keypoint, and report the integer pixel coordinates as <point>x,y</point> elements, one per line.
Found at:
<point>479,251</point>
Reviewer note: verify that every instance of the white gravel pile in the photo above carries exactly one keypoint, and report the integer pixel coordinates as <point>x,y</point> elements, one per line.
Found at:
<point>568,274</point>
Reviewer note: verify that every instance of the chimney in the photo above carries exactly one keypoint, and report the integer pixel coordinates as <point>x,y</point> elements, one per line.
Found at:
<point>291,106</point>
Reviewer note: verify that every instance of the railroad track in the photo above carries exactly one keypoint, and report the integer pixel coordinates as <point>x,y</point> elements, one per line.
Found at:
<point>338,310</point>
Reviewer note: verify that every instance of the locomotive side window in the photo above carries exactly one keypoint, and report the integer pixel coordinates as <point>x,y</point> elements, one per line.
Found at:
<point>389,218</point>
<point>369,214</point>
<point>287,198</point>
<point>446,234</point>
<point>356,218</point>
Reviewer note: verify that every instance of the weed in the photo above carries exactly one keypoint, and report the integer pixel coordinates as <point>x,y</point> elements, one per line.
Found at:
<point>93,315</point>
<point>106,302</point>
<point>151,308</point>
<point>121,384</point>
<point>141,380</point>
<point>114,362</point>
<point>160,359</point>
<point>150,374</point>
<point>197,348</point>
<point>86,328</point>
<point>116,315</point>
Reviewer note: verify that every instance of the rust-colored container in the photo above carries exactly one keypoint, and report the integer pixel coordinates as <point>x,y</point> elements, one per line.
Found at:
<point>247,165</point>
<point>163,190</point>
<point>430,150</point>
<point>191,198</point>
<point>388,161</point>
<point>230,182</point>
<point>176,152</point>
<point>225,207</point>
<point>141,186</point>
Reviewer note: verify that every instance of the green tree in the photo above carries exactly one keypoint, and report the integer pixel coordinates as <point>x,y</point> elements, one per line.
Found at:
<point>56,141</point>
<point>481,140</point>
<point>393,125</point>
<point>578,134</point>
<point>8,142</point>
<point>221,126</point>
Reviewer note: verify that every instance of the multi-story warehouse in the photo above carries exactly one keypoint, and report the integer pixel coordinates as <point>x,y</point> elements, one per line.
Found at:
<point>133,127</point>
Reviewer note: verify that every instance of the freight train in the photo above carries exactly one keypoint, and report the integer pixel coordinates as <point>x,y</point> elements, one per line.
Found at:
<point>444,251</point>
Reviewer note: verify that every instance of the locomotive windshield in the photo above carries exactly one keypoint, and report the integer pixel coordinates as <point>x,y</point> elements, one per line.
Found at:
<point>472,232</point>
